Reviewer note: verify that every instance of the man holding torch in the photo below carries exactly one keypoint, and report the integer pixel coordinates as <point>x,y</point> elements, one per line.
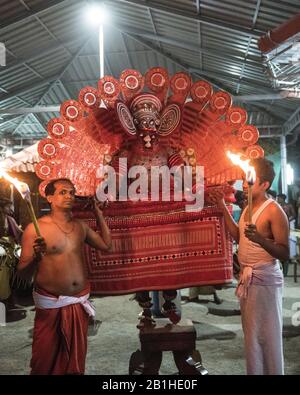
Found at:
<point>261,242</point>
<point>61,289</point>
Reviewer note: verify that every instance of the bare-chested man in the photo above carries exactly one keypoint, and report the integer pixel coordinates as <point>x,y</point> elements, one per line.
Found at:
<point>61,289</point>
<point>260,283</point>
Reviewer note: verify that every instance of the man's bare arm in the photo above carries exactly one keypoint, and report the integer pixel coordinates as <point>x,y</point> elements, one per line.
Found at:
<point>102,242</point>
<point>217,198</point>
<point>32,252</point>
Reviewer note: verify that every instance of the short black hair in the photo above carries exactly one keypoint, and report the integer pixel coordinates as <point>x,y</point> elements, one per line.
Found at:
<point>264,169</point>
<point>50,188</point>
<point>239,196</point>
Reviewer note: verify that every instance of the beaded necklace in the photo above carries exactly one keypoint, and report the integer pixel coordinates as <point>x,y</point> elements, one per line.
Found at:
<point>62,230</point>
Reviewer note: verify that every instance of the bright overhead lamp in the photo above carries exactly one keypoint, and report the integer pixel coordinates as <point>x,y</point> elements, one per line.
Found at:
<point>97,15</point>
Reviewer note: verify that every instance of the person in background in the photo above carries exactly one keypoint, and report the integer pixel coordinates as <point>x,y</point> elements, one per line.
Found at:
<point>8,225</point>
<point>287,208</point>
<point>298,210</point>
<point>10,237</point>
<point>291,216</point>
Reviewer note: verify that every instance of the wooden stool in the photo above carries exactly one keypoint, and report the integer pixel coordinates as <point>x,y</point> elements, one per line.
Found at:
<point>180,339</point>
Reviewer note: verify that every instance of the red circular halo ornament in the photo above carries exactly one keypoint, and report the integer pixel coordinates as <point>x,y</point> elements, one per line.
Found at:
<point>109,88</point>
<point>220,102</point>
<point>248,134</point>
<point>254,152</point>
<point>201,91</point>
<point>71,110</point>
<point>89,97</point>
<point>236,117</point>
<point>42,187</point>
<point>157,79</point>
<point>58,128</point>
<point>48,148</point>
<point>131,82</point>
<point>44,170</point>
<point>180,83</point>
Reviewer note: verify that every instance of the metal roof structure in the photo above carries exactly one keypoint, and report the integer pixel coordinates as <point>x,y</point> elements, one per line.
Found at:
<point>22,161</point>
<point>52,52</point>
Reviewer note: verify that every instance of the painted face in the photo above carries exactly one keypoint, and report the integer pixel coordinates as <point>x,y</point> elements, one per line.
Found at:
<point>147,128</point>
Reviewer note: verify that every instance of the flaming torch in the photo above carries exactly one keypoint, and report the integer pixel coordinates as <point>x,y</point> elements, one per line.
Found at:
<point>25,193</point>
<point>250,177</point>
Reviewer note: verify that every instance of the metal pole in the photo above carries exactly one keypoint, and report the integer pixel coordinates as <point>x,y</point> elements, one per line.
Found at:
<point>101,50</point>
<point>284,187</point>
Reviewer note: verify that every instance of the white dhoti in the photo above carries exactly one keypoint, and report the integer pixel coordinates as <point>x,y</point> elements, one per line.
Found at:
<point>260,292</point>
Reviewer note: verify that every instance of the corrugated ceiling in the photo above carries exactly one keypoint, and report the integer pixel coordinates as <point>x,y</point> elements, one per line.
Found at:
<point>52,53</point>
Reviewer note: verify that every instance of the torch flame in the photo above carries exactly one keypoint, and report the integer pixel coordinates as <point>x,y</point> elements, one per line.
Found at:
<point>22,187</point>
<point>244,165</point>
<point>25,193</point>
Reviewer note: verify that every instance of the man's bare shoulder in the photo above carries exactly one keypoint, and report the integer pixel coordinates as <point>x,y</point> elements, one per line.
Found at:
<point>80,221</point>
<point>29,228</point>
<point>82,224</point>
<point>41,221</point>
<point>45,219</point>
<point>274,210</point>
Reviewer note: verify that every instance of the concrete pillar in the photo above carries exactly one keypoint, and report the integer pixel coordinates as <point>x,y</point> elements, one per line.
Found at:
<point>284,187</point>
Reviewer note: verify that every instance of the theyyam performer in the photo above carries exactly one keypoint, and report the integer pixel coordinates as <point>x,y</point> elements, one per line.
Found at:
<point>152,120</point>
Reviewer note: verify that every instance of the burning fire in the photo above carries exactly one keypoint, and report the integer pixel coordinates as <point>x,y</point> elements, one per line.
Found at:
<point>24,190</point>
<point>244,165</point>
<point>20,186</point>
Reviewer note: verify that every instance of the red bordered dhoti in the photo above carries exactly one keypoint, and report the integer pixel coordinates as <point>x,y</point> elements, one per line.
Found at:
<point>60,333</point>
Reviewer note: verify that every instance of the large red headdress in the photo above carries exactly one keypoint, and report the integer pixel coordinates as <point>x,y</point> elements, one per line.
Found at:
<point>192,119</point>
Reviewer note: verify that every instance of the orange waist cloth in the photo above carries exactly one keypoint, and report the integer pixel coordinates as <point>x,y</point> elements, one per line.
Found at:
<point>59,339</point>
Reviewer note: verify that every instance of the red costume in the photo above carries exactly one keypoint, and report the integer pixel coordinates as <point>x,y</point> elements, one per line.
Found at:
<point>60,338</point>
<point>151,120</point>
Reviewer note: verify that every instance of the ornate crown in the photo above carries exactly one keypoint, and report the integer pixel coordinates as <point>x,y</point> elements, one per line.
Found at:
<point>146,106</point>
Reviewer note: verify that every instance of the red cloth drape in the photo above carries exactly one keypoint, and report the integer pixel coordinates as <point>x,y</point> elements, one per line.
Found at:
<point>159,246</point>
<point>59,339</point>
